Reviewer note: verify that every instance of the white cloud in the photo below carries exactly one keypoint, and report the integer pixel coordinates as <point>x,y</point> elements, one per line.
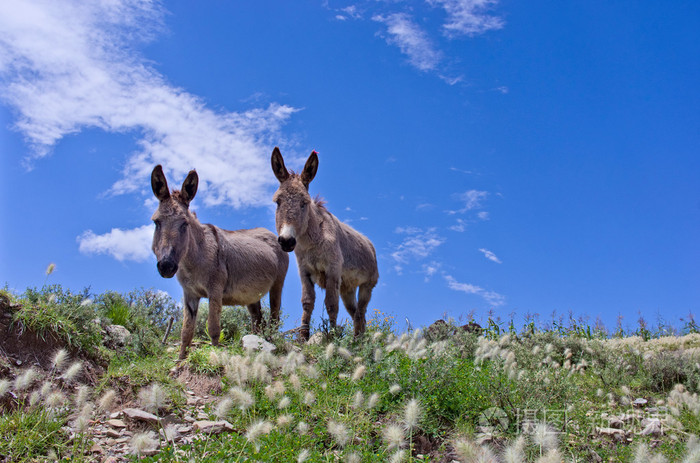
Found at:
<point>460,226</point>
<point>411,40</point>
<point>468,17</point>
<point>491,297</point>
<point>70,65</point>
<point>417,245</point>
<point>483,215</point>
<point>134,244</point>
<point>490,256</point>
<point>472,199</point>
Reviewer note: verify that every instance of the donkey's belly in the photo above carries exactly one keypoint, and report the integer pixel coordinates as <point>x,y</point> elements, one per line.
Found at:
<point>244,297</point>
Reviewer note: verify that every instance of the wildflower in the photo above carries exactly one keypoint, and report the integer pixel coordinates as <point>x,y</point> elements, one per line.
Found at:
<point>515,453</point>
<point>393,436</point>
<point>4,386</point>
<point>302,427</point>
<point>143,443</point>
<point>303,455</point>
<point>359,373</point>
<point>373,400</point>
<point>284,403</point>
<point>394,389</point>
<point>55,399</point>
<point>339,432</point>
<point>83,420</point>
<point>26,379</point>
<point>330,350</point>
<point>274,389</point>
<point>398,456</point>
<point>465,450</point>
<point>256,430</point>
<point>309,398</point>
<point>82,395</point>
<point>241,398</point>
<point>72,371</point>
<point>59,359</point>
<point>223,407</point>
<point>284,420</point>
<point>412,414</point>
<point>544,437</point>
<point>357,400</point>
<point>107,400</point>
<point>346,354</point>
<point>153,398</point>
<point>295,381</point>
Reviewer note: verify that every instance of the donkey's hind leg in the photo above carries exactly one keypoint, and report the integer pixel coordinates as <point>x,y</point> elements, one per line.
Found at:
<point>364,295</point>
<point>275,304</point>
<point>188,323</point>
<point>349,300</point>
<point>256,317</point>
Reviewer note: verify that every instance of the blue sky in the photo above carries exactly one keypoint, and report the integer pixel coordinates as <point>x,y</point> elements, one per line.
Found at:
<point>514,157</point>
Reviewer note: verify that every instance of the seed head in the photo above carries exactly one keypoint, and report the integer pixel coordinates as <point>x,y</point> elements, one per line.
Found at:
<point>26,379</point>
<point>303,455</point>
<point>241,398</point>
<point>302,427</point>
<point>82,395</point>
<point>393,436</point>
<point>50,269</point>
<point>544,437</point>
<point>373,400</point>
<point>398,456</point>
<point>223,407</point>
<point>55,399</point>
<point>59,359</point>
<point>346,354</point>
<point>4,386</point>
<point>309,398</point>
<point>153,398</point>
<point>412,414</point>
<point>330,350</point>
<point>394,389</point>
<point>257,429</point>
<point>107,400</point>
<point>359,373</point>
<point>144,442</point>
<point>339,432</point>
<point>515,453</point>
<point>72,371</point>
<point>358,400</point>
<point>284,420</point>
<point>284,403</point>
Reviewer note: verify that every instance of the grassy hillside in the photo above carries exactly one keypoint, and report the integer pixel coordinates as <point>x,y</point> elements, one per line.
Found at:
<point>565,393</point>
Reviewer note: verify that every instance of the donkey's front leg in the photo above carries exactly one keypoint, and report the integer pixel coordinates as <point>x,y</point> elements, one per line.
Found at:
<point>308,299</point>
<point>188,323</point>
<point>331,300</point>
<point>214,321</point>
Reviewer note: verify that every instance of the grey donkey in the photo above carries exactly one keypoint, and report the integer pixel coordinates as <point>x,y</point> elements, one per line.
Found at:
<point>329,252</point>
<point>227,267</point>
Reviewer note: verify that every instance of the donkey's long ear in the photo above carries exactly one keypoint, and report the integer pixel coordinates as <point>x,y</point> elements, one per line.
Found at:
<point>310,169</point>
<point>189,187</point>
<point>159,184</point>
<point>278,167</point>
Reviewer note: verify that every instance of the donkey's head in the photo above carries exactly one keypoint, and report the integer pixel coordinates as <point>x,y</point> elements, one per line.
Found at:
<point>173,220</point>
<point>292,198</point>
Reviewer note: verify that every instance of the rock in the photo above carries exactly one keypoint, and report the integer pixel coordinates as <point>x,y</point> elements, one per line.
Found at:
<point>610,431</point>
<point>97,448</point>
<point>652,429</point>
<point>615,422</point>
<point>202,416</point>
<point>212,427</point>
<point>315,339</point>
<point>112,433</point>
<point>639,402</point>
<point>136,414</point>
<point>116,423</point>
<point>115,415</point>
<point>118,335</point>
<point>252,341</point>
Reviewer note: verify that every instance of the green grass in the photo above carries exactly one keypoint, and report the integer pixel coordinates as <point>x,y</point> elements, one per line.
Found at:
<point>569,376</point>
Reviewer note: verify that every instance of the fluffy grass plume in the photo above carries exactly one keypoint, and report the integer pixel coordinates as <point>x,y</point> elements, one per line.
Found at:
<point>339,432</point>
<point>153,398</point>
<point>59,359</point>
<point>143,443</point>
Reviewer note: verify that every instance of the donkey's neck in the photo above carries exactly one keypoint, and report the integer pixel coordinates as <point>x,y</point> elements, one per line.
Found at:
<point>314,228</point>
<point>195,246</point>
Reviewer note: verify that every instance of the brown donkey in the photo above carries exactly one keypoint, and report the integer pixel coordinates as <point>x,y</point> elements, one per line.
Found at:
<point>227,267</point>
<point>329,253</point>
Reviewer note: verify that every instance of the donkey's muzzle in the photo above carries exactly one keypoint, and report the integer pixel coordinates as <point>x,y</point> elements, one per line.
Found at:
<point>287,243</point>
<point>167,268</point>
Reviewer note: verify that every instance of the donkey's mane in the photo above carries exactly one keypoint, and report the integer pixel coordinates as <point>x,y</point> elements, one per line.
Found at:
<point>320,202</point>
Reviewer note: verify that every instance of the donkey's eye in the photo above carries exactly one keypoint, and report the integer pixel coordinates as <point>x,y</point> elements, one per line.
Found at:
<point>303,205</point>
<point>183,227</point>
<point>157,222</point>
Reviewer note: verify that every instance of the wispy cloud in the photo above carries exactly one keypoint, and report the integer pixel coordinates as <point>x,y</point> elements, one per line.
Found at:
<point>473,199</point>
<point>411,39</point>
<point>468,17</point>
<point>134,244</point>
<point>416,245</point>
<point>490,256</point>
<point>70,65</point>
<point>492,298</point>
